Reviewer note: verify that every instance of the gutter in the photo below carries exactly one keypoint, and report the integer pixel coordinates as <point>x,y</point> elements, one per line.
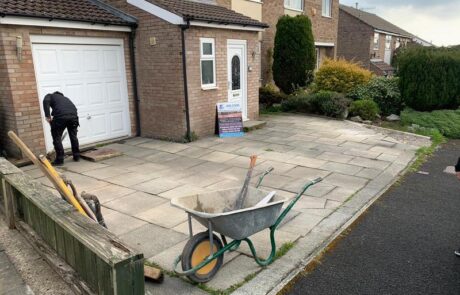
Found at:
<point>132,55</point>
<point>184,70</point>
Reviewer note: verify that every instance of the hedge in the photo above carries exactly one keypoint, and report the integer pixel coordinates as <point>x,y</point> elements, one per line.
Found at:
<point>294,55</point>
<point>429,78</point>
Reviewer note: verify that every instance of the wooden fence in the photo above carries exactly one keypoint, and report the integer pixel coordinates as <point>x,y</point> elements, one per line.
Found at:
<point>100,259</point>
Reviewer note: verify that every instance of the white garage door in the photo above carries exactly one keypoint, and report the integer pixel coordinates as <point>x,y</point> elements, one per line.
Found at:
<point>91,72</point>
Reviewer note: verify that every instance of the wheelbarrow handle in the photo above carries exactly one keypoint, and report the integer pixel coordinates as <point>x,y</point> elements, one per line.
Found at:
<point>294,201</point>
<point>261,178</point>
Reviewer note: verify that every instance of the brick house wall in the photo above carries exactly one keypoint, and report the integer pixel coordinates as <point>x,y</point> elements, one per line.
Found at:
<point>324,28</point>
<point>159,75</point>
<point>19,101</point>
<point>355,39</point>
<point>203,102</point>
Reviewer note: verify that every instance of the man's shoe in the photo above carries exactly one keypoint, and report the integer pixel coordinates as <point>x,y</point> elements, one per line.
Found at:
<point>57,163</point>
<point>457,253</point>
<point>76,159</point>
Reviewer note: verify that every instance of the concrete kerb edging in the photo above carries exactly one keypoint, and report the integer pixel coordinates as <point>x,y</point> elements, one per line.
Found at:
<point>259,284</point>
<point>386,130</point>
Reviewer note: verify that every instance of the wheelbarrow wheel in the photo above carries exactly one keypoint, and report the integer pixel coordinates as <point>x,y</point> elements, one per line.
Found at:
<point>197,249</point>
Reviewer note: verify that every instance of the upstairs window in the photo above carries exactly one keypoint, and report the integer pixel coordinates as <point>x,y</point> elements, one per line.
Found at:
<point>208,62</point>
<point>294,4</point>
<point>327,8</point>
<point>376,41</point>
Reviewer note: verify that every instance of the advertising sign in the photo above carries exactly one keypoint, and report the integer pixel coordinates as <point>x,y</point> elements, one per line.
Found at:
<point>230,119</point>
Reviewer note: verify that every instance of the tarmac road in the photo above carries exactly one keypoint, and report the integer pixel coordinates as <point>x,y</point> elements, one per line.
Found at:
<point>405,242</point>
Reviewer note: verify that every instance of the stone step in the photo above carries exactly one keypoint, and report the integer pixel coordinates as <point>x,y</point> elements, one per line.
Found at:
<point>253,125</point>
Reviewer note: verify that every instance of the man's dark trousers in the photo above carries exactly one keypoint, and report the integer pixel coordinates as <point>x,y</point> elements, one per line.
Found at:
<point>58,125</point>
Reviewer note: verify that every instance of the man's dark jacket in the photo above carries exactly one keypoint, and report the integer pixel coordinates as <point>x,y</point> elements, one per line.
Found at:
<point>61,105</point>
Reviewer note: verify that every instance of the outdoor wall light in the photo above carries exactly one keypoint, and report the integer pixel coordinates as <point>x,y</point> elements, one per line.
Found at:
<point>19,45</point>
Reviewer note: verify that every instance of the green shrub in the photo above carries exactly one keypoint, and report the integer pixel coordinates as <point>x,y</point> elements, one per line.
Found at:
<point>329,103</point>
<point>429,78</point>
<point>298,103</point>
<point>384,91</point>
<point>269,95</point>
<point>446,121</point>
<point>294,55</point>
<point>340,76</point>
<point>367,109</point>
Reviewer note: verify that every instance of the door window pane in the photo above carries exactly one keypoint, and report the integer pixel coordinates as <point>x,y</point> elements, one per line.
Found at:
<point>207,72</point>
<point>236,73</point>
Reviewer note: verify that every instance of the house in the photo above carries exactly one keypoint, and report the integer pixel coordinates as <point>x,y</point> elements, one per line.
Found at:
<point>154,68</point>
<point>324,15</point>
<point>79,47</point>
<point>369,39</point>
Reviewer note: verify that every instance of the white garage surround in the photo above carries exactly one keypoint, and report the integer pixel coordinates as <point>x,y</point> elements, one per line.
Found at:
<point>91,72</point>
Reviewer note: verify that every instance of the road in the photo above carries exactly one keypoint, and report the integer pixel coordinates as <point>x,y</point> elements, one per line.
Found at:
<point>405,242</point>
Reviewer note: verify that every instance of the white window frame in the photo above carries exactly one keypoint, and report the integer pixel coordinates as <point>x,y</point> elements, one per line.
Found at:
<point>326,10</point>
<point>388,40</point>
<point>288,4</point>
<point>318,57</point>
<point>207,57</point>
<point>377,44</point>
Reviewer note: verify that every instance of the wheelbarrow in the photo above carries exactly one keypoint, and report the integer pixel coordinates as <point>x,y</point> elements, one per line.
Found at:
<point>203,254</point>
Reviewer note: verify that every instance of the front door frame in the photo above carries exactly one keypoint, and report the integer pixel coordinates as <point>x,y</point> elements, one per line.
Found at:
<point>244,74</point>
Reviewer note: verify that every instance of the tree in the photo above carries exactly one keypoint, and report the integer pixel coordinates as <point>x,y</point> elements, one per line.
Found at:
<point>294,55</point>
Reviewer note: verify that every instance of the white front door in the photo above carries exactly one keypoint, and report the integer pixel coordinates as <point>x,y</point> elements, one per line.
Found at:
<point>387,57</point>
<point>237,74</point>
<point>93,77</point>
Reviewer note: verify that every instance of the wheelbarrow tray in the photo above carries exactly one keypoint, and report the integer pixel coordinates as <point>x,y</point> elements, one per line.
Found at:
<point>237,224</point>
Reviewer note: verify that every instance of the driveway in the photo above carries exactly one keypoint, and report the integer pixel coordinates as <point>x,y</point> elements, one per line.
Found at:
<point>356,162</point>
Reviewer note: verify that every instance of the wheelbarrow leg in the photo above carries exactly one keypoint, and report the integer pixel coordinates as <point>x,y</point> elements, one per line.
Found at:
<point>211,238</point>
<point>190,230</point>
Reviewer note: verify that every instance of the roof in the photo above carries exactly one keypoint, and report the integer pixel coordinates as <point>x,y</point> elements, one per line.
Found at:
<point>92,11</point>
<point>206,12</point>
<point>375,21</point>
<point>383,66</point>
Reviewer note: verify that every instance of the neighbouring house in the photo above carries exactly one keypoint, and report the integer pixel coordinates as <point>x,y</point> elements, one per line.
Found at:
<point>81,48</point>
<point>154,68</point>
<point>369,39</point>
<point>324,15</point>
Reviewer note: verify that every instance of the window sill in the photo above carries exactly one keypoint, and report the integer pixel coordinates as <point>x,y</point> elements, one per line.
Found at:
<point>326,16</point>
<point>293,9</point>
<point>204,88</point>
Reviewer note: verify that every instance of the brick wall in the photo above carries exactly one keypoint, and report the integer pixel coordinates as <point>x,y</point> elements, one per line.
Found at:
<point>20,96</point>
<point>324,28</point>
<point>203,102</point>
<point>159,75</point>
<point>355,39</point>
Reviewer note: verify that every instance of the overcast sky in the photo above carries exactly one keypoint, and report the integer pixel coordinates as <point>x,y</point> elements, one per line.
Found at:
<point>437,21</point>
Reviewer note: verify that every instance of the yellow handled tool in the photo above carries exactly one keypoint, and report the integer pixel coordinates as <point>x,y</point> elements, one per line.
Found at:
<point>53,176</point>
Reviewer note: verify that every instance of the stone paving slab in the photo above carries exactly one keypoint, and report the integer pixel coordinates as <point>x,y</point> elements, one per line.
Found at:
<point>11,282</point>
<point>356,162</point>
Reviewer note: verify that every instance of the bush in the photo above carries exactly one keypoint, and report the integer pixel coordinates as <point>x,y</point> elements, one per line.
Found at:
<point>384,91</point>
<point>429,78</point>
<point>294,55</point>
<point>331,104</point>
<point>367,109</point>
<point>269,95</point>
<point>298,103</point>
<point>340,76</point>
<point>446,121</point>
<point>327,103</point>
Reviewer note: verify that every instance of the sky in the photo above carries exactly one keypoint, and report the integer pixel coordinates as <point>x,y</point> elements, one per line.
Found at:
<point>436,21</point>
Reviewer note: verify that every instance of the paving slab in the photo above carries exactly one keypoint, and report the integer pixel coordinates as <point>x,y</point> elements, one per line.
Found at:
<point>157,185</point>
<point>163,215</point>
<point>262,244</point>
<point>111,192</point>
<point>120,223</point>
<point>341,168</point>
<point>151,239</point>
<point>218,157</point>
<point>130,179</point>
<point>135,203</point>
<point>301,224</point>
<point>172,286</point>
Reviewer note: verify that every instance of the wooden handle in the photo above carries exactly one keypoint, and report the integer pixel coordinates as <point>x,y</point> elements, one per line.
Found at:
<point>253,161</point>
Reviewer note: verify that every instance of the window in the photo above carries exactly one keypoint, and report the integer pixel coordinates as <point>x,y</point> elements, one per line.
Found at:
<point>327,8</point>
<point>208,62</point>
<point>294,4</point>
<point>318,58</point>
<point>387,42</point>
<point>398,43</point>
<point>376,41</point>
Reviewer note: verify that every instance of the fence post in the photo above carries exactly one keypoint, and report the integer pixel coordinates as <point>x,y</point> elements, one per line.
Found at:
<point>9,204</point>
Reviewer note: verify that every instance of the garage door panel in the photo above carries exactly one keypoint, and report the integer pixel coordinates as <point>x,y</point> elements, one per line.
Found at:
<point>116,122</point>
<point>71,61</point>
<point>111,60</point>
<point>94,78</point>
<point>47,62</point>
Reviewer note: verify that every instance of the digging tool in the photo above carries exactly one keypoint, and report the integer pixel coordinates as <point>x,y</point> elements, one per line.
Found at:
<point>49,171</point>
<point>244,190</point>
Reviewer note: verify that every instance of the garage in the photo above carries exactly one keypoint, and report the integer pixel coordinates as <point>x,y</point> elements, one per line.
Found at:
<point>91,72</point>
